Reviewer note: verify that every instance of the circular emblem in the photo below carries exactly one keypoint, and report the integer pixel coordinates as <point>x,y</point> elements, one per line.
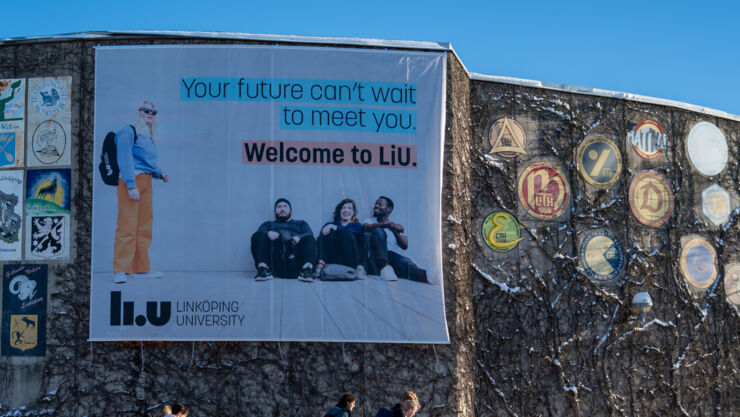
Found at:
<point>49,142</point>
<point>599,162</point>
<point>601,255</point>
<point>732,284</point>
<point>698,263</point>
<point>501,231</point>
<point>507,138</point>
<point>543,191</point>
<point>651,198</point>
<point>707,148</point>
<point>716,204</point>
<point>648,139</point>
<point>49,97</point>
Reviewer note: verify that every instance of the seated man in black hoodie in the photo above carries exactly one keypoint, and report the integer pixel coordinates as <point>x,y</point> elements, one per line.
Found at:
<point>284,245</point>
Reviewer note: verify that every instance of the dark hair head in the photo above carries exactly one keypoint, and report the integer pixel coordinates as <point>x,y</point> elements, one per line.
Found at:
<point>388,201</point>
<point>178,408</point>
<point>282,200</point>
<point>345,399</point>
<point>290,210</point>
<point>338,209</point>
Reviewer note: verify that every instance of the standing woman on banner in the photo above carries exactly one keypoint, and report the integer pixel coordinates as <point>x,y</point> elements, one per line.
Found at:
<point>137,160</point>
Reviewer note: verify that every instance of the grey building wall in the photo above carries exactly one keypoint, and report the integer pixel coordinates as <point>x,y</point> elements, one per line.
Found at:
<point>558,345</point>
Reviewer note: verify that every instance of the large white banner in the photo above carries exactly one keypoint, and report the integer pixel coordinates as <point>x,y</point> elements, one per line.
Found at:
<point>243,154</point>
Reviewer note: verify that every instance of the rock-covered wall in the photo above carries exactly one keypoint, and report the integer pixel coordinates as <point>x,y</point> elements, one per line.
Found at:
<point>552,341</point>
<point>531,333</point>
<point>79,378</point>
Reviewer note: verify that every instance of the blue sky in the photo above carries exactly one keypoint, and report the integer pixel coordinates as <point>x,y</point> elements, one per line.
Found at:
<point>684,51</point>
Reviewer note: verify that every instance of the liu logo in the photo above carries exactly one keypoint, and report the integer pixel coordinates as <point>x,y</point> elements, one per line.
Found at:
<point>156,316</point>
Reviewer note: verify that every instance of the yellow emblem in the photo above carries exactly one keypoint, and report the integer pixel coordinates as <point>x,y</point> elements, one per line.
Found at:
<point>732,283</point>
<point>23,331</point>
<point>507,138</point>
<point>651,198</point>
<point>699,263</point>
<point>501,231</point>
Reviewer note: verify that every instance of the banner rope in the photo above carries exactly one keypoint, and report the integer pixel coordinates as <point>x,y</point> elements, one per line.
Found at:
<point>437,358</point>
<point>141,345</point>
<point>281,356</point>
<point>91,355</point>
<point>192,355</point>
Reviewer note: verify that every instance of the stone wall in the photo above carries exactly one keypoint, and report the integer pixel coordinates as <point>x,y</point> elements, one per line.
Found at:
<point>531,334</point>
<point>79,378</point>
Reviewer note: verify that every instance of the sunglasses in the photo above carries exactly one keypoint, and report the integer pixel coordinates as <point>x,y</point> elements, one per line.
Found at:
<point>148,111</point>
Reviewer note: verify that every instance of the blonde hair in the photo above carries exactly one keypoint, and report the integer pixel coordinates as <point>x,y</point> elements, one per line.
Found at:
<point>408,405</point>
<point>140,124</point>
<point>409,395</point>
<point>167,410</point>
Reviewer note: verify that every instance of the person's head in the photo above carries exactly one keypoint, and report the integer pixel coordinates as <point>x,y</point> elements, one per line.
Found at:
<point>383,207</point>
<point>409,395</point>
<point>345,212</point>
<point>347,401</point>
<point>410,407</point>
<point>177,409</point>
<point>147,112</point>
<point>146,117</point>
<point>283,210</point>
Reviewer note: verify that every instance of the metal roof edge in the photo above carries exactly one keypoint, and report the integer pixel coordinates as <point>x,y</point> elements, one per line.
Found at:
<point>383,43</point>
<point>604,93</point>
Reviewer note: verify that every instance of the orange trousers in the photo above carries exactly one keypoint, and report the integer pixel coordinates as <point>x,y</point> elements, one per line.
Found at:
<point>134,227</point>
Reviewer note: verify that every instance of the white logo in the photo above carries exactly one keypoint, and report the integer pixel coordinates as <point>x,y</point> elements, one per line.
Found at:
<point>49,97</point>
<point>707,148</point>
<point>23,287</point>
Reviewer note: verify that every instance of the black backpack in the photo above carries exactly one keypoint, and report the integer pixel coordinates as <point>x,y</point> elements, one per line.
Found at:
<point>108,166</point>
<point>384,412</point>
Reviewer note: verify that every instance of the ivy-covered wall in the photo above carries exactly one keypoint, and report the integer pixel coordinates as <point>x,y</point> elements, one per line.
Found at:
<point>533,333</point>
<point>553,336</point>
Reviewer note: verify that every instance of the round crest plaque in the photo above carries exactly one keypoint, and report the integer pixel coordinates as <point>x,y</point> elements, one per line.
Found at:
<point>651,198</point>
<point>601,255</point>
<point>699,263</point>
<point>599,162</point>
<point>544,191</point>
<point>707,148</point>
<point>501,231</point>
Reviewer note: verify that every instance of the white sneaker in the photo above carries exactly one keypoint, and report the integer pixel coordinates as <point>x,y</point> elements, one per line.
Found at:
<point>387,274</point>
<point>119,277</point>
<point>150,274</point>
<point>360,272</point>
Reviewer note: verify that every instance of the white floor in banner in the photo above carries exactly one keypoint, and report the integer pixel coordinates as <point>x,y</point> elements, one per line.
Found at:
<point>369,310</point>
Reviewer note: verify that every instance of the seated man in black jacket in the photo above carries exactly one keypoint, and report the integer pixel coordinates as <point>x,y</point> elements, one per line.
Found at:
<point>285,245</point>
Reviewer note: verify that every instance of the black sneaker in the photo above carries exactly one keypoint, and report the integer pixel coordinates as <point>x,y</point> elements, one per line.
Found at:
<point>263,274</point>
<point>318,272</point>
<point>306,275</point>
